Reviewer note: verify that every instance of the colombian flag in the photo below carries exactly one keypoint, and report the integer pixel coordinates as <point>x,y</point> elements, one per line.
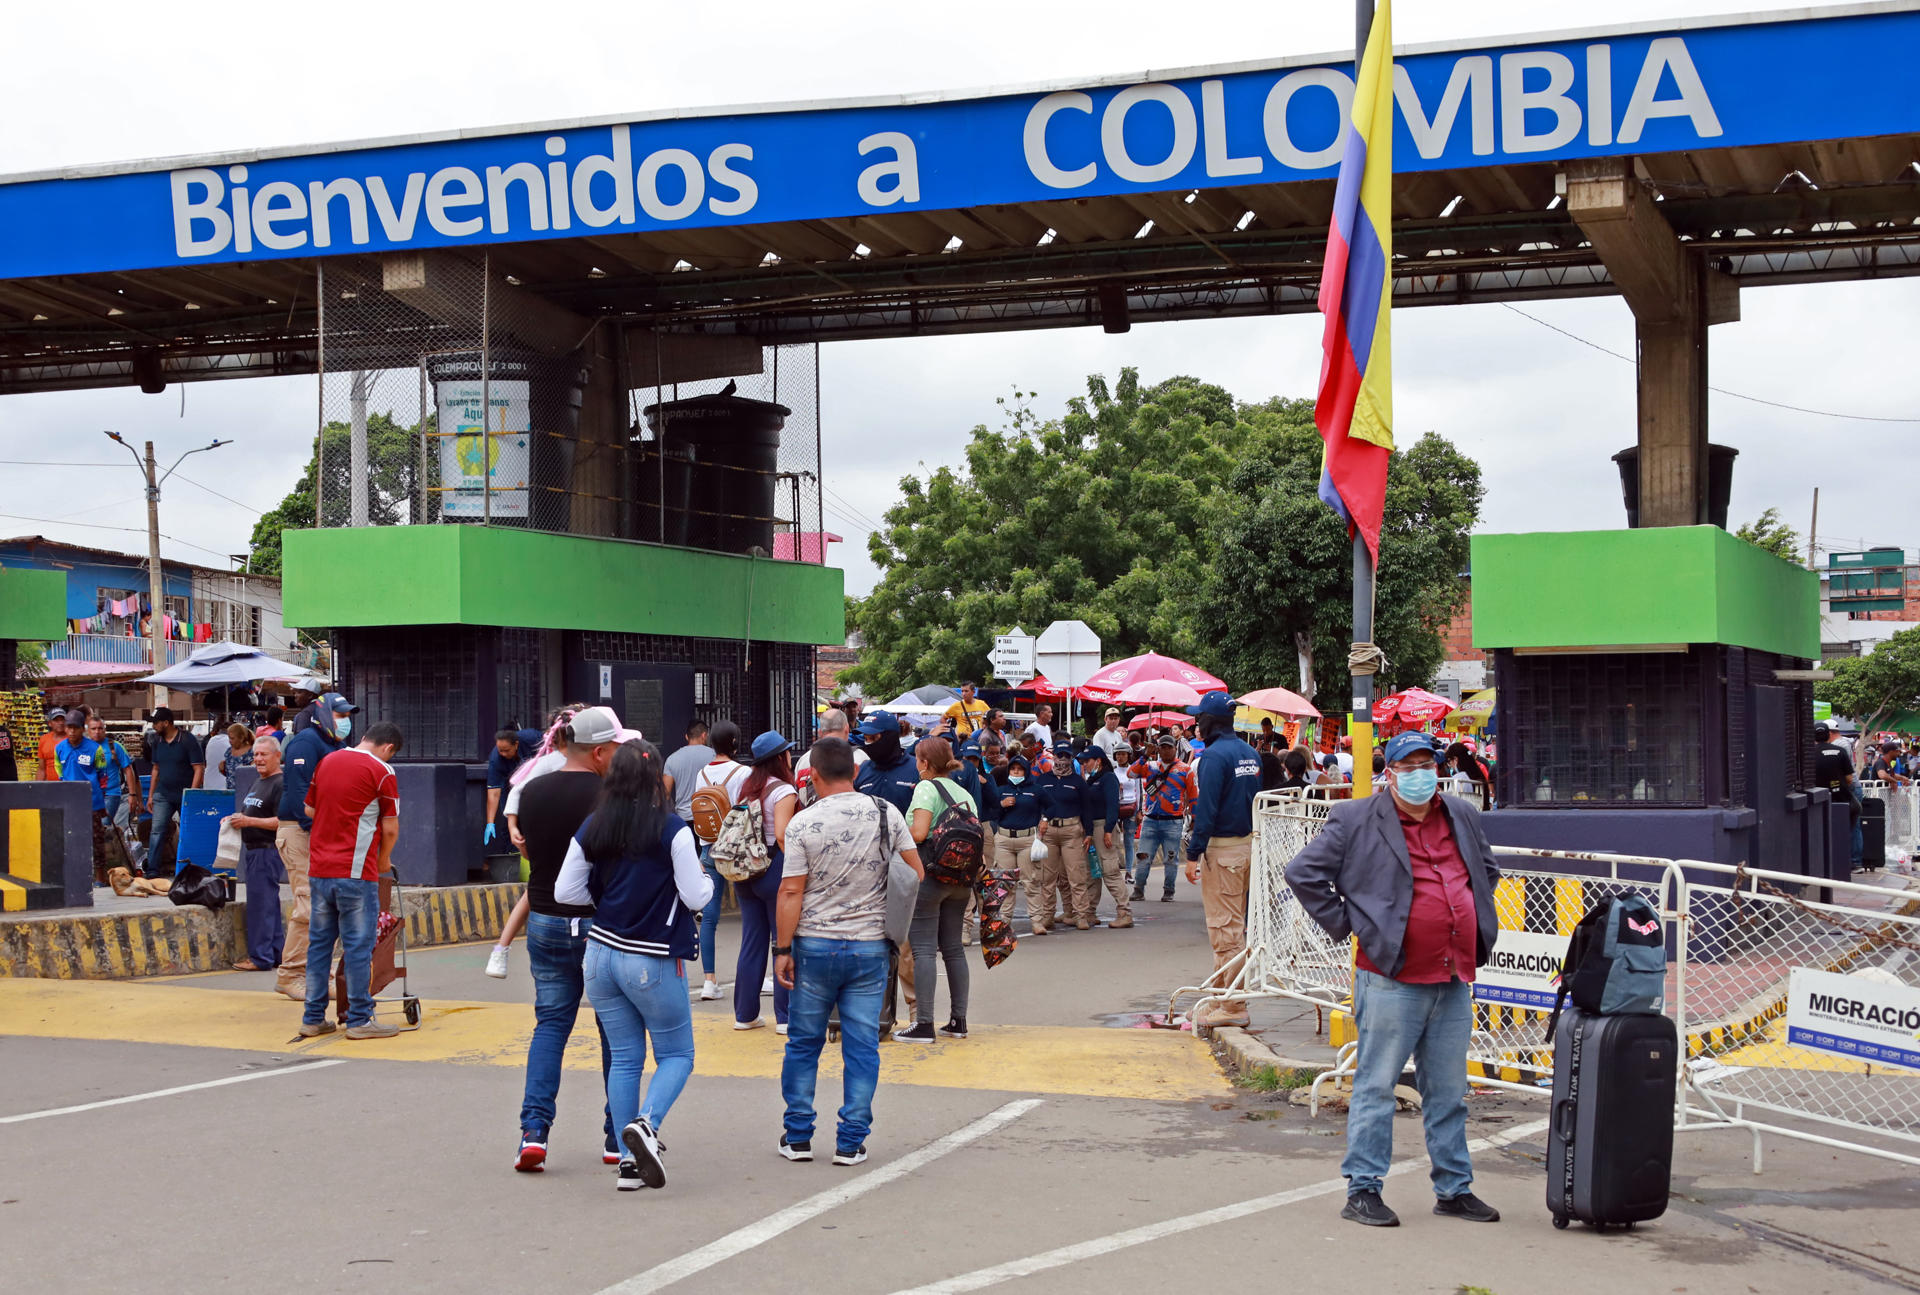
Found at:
<point>1354,411</point>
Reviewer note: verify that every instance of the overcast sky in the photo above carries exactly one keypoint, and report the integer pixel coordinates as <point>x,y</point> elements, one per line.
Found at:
<point>1541,412</point>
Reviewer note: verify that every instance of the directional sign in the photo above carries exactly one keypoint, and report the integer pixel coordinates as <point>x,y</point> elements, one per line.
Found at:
<point>1012,656</point>
<point>1067,653</point>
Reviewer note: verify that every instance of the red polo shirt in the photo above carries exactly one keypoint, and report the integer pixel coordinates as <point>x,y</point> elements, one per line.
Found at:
<point>1440,943</point>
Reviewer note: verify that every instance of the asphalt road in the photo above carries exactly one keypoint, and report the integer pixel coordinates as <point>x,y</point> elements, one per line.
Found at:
<point>1058,1148</point>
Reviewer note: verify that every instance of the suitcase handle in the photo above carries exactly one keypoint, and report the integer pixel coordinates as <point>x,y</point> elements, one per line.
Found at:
<point>1563,1121</point>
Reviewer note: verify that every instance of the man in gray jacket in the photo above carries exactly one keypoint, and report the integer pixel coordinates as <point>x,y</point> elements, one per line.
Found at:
<point>1410,876</point>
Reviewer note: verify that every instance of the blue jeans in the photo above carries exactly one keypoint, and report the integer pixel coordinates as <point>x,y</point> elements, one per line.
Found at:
<point>165,808</point>
<point>344,909</point>
<point>635,996</point>
<point>556,947</point>
<point>852,976</point>
<point>1159,836</point>
<point>1431,1024</point>
<point>262,872</point>
<point>758,899</point>
<point>710,915</point>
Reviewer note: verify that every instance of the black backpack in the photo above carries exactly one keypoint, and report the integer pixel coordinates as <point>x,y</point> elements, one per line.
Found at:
<point>954,852</point>
<point>1616,961</point>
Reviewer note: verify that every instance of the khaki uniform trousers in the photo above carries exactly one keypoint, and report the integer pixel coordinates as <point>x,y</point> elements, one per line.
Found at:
<point>1113,872</point>
<point>1224,871</point>
<point>1053,891</point>
<point>294,843</point>
<point>1013,855</point>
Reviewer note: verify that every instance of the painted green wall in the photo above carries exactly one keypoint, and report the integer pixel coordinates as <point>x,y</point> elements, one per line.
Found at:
<point>1655,585</point>
<point>33,605</point>
<point>478,575</point>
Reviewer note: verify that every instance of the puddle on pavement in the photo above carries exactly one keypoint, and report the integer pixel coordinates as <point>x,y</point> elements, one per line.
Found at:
<point>1142,1021</point>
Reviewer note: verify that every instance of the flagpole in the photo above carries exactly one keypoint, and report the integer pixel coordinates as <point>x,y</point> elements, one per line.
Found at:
<point>1362,718</point>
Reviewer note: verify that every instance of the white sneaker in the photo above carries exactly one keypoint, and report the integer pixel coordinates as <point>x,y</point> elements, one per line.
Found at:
<point>757,1023</point>
<point>641,1140</point>
<point>710,991</point>
<point>781,1028</point>
<point>766,986</point>
<point>497,962</point>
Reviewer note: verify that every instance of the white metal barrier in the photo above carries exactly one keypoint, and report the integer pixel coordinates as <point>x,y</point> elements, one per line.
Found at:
<point>1766,968</point>
<point>1903,816</point>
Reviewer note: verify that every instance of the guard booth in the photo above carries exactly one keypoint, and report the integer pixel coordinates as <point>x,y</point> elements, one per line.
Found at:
<point>46,830</point>
<point>1654,697</point>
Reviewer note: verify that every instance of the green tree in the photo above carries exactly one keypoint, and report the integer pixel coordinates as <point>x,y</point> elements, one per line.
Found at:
<point>1100,516</point>
<point>1772,534</point>
<point>1119,514</point>
<point>1874,688</point>
<point>393,458</point>
<point>1279,587</point>
<point>852,606</point>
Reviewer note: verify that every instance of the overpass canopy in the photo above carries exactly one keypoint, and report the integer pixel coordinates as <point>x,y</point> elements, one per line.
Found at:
<point>1781,147</point>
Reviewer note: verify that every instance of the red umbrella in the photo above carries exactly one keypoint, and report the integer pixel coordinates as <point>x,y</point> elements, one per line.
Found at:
<point>1161,719</point>
<point>1280,702</point>
<point>1108,681</point>
<point>1413,706</point>
<point>1157,692</point>
<point>1040,686</point>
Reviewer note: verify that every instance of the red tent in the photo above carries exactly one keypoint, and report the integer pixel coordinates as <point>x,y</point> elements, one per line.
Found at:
<point>1161,719</point>
<point>1040,686</point>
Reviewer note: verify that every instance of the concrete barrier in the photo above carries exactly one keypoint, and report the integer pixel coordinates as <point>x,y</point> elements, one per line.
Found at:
<point>189,939</point>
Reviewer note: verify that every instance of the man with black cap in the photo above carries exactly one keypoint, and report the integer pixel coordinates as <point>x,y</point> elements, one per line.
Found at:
<point>329,721</point>
<point>1833,769</point>
<point>178,767</point>
<point>1220,848</point>
<point>1410,876</point>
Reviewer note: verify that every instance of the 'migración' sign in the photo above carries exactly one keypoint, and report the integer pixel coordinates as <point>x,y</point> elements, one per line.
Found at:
<point>1843,74</point>
<point>1868,1016</point>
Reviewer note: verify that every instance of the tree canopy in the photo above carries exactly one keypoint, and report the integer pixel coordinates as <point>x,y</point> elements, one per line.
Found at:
<point>1167,518</point>
<point>1772,534</point>
<point>1874,688</point>
<point>393,459</point>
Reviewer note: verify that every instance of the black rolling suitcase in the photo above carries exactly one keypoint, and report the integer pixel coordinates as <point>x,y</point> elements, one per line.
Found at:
<point>1873,832</point>
<point>1610,1147</point>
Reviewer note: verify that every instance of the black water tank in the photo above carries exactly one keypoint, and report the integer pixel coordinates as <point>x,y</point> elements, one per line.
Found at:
<point>730,447</point>
<point>1719,482</point>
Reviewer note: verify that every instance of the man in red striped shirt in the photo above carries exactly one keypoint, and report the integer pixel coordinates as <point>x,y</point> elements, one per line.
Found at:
<point>354,802</point>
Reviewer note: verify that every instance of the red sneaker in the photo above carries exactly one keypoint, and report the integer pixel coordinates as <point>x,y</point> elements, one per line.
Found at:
<point>533,1156</point>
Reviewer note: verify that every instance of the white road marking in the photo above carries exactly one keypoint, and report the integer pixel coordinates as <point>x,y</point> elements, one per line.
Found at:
<point>696,1261</point>
<point>169,1092</point>
<point>983,1277</point>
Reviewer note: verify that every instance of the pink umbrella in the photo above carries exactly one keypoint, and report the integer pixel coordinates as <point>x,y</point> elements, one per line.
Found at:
<point>1279,701</point>
<point>1108,682</point>
<point>1157,692</point>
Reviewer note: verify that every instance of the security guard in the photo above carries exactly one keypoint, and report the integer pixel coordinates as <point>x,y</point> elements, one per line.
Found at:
<point>1833,769</point>
<point>1220,851</point>
<point>1017,825</point>
<point>1058,884</point>
<point>1100,807</point>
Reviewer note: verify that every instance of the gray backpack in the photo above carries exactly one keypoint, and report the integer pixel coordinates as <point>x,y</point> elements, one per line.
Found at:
<point>1616,961</point>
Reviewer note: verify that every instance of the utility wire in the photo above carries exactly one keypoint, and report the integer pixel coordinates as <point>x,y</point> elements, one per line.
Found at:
<point>101,526</point>
<point>42,463</point>
<point>210,490</point>
<point>1737,395</point>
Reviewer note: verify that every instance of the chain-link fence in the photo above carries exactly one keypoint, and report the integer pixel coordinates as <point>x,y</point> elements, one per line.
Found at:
<point>450,393</point>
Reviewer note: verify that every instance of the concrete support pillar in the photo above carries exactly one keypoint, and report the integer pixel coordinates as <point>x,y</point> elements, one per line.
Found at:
<point>600,485</point>
<point>1674,296</point>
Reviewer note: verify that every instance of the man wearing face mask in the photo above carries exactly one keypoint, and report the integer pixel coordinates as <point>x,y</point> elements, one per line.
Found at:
<point>1410,876</point>
<point>329,722</point>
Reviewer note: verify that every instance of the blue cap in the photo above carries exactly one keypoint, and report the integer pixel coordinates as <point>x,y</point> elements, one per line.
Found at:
<point>1063,747</point>
<point>1402,745</point>
<point>876,722</point>
<point>1218,703</point>
<point>333,701</point>
<point>768,745</point>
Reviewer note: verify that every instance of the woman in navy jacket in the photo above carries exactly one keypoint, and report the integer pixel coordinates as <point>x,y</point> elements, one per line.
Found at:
<point>639,866</point>
<point>1107,835</point>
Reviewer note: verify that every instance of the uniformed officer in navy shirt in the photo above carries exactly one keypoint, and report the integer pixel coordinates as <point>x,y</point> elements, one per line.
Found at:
<point>1220,850</point>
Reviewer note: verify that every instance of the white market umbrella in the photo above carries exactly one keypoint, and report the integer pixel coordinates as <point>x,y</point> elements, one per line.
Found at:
<point>222,665</point>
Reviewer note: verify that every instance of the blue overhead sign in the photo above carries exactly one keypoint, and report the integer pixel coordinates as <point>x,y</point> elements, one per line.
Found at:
<point>1714,86</point>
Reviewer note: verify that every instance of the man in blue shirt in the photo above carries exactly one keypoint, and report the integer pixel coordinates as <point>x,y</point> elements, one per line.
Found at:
<point>1220,851</point>
<point>116,775</point>
<point>81,759</point>
<point>329,721</point>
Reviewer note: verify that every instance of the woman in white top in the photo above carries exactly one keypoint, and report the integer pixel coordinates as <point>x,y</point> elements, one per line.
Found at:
<point>726,773</point>
<point>769,779</point>
<point>939,911</point>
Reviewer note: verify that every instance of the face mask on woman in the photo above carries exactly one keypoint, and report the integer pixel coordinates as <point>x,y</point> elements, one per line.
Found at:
<point>1016,778</point>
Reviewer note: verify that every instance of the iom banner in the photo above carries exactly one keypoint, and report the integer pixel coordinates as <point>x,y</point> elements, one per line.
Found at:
<point>1865,1015</point>
<point>1714,85</point>
<point>480,452</point>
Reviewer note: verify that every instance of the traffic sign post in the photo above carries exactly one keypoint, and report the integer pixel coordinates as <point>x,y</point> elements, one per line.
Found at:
<point>1012,656</point>
<point>1067,653</point>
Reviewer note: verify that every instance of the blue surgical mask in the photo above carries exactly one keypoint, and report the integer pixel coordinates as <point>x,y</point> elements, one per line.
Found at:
<point>343,725</point>
<point>1416,786</point>
<point>1016,778</point>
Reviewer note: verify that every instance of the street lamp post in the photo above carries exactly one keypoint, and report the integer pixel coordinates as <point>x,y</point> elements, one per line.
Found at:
<point>156,593</point>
